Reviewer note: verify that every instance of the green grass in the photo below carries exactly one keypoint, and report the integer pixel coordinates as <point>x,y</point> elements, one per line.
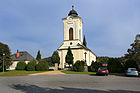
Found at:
<point>17,73</point>
<point>117,74</point>
<point>72,72</point>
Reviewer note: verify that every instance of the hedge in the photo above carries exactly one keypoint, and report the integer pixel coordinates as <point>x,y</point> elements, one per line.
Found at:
<point>79,66</point>
<point>21,65</point>
<point>42,66</point>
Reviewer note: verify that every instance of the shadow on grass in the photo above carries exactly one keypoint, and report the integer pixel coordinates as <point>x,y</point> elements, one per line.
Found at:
<point>36,89</point>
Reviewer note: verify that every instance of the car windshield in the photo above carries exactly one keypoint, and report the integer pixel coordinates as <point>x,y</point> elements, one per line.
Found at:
<point>103,68</point>
<point>132,69</point>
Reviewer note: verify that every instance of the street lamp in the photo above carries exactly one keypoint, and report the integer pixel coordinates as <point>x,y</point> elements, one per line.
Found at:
<point>3,61</point>
<point>85,58</point>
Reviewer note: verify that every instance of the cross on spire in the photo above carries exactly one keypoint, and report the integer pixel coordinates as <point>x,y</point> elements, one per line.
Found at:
<point>72,5</point>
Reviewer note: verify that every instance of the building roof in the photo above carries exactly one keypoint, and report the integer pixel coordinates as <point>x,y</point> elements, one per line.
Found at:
<point>23,56</point>
<point>73,12</point>
<point>78,46</point>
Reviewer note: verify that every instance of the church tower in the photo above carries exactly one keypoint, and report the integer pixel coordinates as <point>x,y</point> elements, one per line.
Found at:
<point>73,32</point>
<point>73,38</point>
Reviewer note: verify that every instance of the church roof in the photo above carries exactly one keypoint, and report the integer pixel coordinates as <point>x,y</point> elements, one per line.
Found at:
<point>79,46</point>
<point>73,12</point>
<point>23,56</point>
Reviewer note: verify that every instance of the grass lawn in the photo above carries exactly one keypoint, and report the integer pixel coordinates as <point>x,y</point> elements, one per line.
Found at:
<point>72,72</point>
<point>117,74</point>
<point>17,73</point>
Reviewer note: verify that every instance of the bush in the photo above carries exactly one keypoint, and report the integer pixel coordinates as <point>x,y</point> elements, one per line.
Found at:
<point>115,66</point>
<point>31,65</point>
<point>21,65</point>
<point>42,66</point>
<point>79,66</point>
<point>94,66</point>
<point>130,63</point>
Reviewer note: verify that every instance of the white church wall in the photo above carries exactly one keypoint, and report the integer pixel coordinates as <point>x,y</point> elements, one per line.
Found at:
<point>78,54</point>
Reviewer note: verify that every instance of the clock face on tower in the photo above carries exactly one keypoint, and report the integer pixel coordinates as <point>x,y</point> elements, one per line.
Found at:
<point>70,19</point>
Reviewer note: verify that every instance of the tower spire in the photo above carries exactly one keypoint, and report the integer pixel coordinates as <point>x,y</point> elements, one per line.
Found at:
<point>72,5</point>
<point>84,41</point>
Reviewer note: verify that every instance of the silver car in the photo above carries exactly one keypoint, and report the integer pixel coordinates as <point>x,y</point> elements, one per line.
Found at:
<point>132,72</point>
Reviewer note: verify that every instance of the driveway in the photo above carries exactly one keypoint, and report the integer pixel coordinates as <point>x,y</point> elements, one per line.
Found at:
<point>69,83</point>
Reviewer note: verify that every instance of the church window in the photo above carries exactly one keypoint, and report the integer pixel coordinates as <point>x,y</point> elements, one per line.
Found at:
<point>71,34</point>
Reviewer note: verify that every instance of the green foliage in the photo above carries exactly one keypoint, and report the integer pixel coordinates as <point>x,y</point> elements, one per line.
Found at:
<point>21,65</point>
<point>31,65</point>
<point>103,60</point>
<point>55,57</point>
<point>7,58</point>
<point>38,57</point>
<point>69,57</point>
<point>134,51</point>
<point>49,60</point>
<point>42,66</point>
<point>130,63</point>
<point>115,66</point>
<point>79,66</point>
<point>94,66</point>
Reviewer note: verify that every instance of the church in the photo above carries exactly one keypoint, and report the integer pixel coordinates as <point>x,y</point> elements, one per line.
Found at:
<point>73,38</point>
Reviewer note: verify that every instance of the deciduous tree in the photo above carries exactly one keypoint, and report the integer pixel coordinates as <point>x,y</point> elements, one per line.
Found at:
<point>5,56</point>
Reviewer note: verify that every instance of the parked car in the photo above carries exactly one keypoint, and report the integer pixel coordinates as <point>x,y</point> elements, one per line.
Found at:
<point>132,72</point>
<point>102,71</point>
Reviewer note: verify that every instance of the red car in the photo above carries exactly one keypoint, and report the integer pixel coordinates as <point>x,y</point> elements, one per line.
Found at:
<point>102,71</point>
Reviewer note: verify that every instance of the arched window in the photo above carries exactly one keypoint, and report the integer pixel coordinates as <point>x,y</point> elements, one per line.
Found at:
<point>71,34</point>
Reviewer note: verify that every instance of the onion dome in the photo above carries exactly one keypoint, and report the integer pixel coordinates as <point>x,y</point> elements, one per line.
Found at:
<point>73,12</point>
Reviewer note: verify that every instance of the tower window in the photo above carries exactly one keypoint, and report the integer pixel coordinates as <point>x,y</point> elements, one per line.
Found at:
<point>71,34</point>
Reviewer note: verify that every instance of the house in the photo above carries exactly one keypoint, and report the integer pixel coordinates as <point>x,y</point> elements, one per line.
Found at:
<point>20,56</point>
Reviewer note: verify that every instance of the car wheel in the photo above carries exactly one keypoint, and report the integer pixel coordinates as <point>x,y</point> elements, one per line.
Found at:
<point>106,74</point>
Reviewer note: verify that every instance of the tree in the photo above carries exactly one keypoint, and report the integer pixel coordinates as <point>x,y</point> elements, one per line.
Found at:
<point>134,51</point>
<point>4,49</point>
<point>49,60</point>
<point>94,66</point>
<point>115,66</point>
<point>102,60</point>
<point>31,65</point>
<point>38,57</point>
<point>84,41</point>
<point>42,66</point>
<point>69,57</point>
<point>21,65</point>
<point>79,66</point>
<point>55,57</point>
<point>130,63</point>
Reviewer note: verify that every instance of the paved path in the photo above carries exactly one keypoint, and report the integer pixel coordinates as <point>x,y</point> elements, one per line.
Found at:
<point>48,73</point>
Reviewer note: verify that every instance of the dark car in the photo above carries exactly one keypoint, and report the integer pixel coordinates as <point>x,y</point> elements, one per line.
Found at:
<point>102,71</point>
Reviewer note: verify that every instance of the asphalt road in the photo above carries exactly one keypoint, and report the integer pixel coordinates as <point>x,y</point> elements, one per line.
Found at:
<point>69,84</point>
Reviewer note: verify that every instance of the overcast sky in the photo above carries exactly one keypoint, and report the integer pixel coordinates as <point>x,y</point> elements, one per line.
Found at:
<point>110,26</point>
